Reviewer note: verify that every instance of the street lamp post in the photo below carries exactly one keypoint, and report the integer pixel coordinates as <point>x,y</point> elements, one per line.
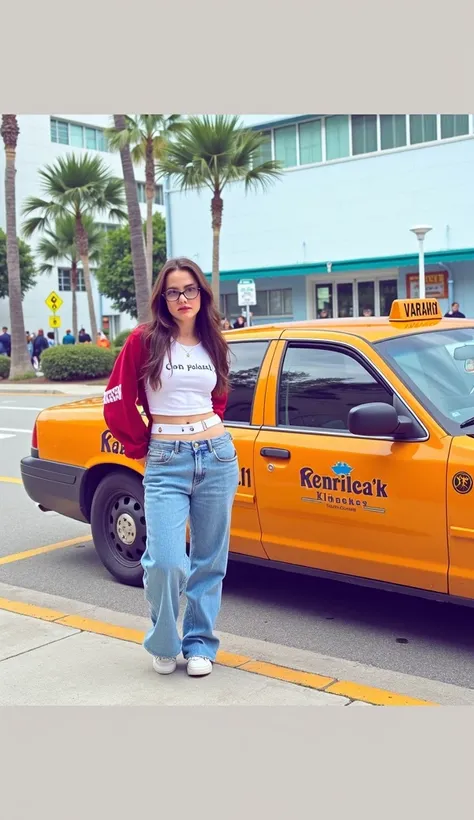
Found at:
<point>420,232</point>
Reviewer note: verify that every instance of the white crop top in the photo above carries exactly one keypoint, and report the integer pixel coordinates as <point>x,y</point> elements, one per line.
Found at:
<point>186,383</point>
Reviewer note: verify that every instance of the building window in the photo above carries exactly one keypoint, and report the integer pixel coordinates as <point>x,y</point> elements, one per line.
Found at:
<point>245,362</point>
<point>285,146</point>
<point>264,153</point>
<point>364,133</point>
<point>393,131</point>
<point>64,279</point>
<point>142,193</point>
<point>454,125</point>
<point>319,386</point>
<point>78,136</point>
<point>422,128</point>
<point>311,147</point>
<point>337,137</point>
<point>278,302</point>
<point>107,227</point>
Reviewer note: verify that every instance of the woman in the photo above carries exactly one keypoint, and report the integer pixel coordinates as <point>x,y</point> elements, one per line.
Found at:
<point>226,324</point>
<point>177,367</point>
<point>240,322</point>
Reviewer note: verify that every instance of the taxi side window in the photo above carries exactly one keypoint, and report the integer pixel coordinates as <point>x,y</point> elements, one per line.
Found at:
<point>245,362</point>
<point>320,385</point>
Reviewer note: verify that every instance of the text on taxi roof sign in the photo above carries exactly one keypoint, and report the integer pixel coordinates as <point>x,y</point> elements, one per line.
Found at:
<point>415,310</point>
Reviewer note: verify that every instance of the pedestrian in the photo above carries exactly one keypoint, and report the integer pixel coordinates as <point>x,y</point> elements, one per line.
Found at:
<point>454,313</point>
<point>68,338</point>
<point>225,324</point>
<point>29,345</point>
<point>102,339</point>
<point>324,314</point>
<point>367,311</point>
<point>239,322</point>
<point>6,341</point>
<point>51,339</point>
<point>39,345</point>
<point>83,337</point>
<point>177,367</point>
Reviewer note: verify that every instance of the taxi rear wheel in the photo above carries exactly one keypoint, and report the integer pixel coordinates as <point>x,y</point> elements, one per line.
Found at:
<point>118,526</point>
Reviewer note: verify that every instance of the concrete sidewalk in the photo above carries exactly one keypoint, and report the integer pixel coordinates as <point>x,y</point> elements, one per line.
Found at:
<point>55,389</point>
<point>54,650</point>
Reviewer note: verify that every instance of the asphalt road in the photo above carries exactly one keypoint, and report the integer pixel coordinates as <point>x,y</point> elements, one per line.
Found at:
<point>385,630</point>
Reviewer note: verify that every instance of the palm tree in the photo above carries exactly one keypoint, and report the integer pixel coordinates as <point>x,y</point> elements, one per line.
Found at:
<point>20,360</point>
<point>59,243</point>
<point>147,135</point>
<point>211,152</point>
<point>142,285</point>
<point>79,186</point>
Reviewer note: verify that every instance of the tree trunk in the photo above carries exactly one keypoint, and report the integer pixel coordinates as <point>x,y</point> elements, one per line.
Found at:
<point>142,288</point>
<point>150,198</point>
<point>74,297</point>
<point>20,363</point>
<point>217,206</point>
<point>83,248</point>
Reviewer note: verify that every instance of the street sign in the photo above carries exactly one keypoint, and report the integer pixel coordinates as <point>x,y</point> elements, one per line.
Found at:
<point>246,292</point>
<point>55,321</point>
<point>53,301</point>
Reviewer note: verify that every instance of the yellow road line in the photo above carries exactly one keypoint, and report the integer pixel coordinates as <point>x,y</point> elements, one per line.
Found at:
<point>309,680</point>
<point>8,480</point>
<point>20,556</point>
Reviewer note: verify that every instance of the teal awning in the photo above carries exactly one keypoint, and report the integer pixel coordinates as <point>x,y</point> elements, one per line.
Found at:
<point>309,269</point>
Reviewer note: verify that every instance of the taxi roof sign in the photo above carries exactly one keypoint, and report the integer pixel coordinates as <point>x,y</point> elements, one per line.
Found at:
<point>414,312</point>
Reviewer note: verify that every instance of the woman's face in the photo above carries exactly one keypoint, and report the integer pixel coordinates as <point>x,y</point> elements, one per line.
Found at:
<point>185,308</point>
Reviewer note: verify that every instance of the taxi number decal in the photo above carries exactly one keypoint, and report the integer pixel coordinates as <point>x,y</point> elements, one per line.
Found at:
<point>245,477</point>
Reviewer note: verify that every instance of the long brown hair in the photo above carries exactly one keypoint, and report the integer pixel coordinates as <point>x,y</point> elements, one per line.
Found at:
<point>163,328</point>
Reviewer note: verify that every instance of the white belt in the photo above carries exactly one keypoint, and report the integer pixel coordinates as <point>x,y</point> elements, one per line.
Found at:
<point>195,427</point>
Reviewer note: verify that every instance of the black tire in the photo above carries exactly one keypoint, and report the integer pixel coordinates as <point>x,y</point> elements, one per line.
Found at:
<point>118,526</point>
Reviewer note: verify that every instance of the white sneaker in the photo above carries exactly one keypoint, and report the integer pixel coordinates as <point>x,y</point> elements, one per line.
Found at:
<point>164,666</point>
<point>199,666</point>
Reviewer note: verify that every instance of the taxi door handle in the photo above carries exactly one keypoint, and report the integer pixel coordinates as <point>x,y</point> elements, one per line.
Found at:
<point>275,452</point>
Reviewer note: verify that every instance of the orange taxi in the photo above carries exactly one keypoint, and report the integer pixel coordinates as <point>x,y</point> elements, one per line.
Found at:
<point>355,440</point>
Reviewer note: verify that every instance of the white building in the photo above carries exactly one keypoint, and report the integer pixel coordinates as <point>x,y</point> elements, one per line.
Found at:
<point>333,234</point>
<point>43,138</point>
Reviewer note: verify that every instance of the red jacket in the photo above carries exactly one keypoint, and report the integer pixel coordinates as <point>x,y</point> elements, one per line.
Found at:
<point>125,387</point>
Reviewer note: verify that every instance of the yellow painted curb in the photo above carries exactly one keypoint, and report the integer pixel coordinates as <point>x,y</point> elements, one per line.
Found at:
<point>270,670</point>
<point>7,480</point>
<point>369,694</point>
<point>30,610</point>
<point>309,680</point>
<point>21,556</point>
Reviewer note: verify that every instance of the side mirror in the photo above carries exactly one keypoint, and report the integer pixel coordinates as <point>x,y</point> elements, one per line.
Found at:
<point>376,419</point>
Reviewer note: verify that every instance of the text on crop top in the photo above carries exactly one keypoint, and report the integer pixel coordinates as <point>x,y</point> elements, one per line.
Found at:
<point>187,381</point>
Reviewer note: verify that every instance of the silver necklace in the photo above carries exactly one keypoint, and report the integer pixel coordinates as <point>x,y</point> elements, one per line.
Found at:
<point>186,352</point>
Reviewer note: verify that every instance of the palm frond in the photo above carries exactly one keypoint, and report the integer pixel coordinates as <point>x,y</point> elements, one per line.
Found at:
<point>213,151</point>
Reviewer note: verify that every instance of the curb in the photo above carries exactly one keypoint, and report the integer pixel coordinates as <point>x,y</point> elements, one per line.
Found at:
<point>354,692</point>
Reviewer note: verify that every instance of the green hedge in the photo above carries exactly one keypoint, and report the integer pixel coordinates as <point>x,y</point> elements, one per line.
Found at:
<point>4,367</point>
<point>70,362</point>
<point>120,340</point>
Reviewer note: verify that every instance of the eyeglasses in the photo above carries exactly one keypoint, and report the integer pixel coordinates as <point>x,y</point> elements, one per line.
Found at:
<point>173,294</point>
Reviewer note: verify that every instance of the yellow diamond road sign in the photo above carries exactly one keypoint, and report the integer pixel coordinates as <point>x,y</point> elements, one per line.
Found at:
<point>54,301</point>
<point>55,321</point>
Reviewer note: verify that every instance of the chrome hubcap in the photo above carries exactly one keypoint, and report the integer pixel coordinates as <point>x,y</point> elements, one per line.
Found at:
<point>126,529</point>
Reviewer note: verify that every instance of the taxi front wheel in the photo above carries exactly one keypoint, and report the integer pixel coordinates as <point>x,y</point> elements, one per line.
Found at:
<point>118,526</point>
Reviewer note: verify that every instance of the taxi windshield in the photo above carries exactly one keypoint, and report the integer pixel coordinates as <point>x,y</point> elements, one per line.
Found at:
<point>439,368</point>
